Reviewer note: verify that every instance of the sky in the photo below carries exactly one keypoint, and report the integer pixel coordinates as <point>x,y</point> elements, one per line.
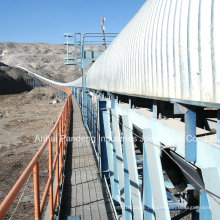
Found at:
<point>27,21</point>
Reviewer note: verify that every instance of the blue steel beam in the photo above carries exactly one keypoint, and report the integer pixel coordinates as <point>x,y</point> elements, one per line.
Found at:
<point>148,207</point>
<point>211,177</point>
<point>98,136</point>
<point>190,135</point>
<point>116,99</point>
<point>103,149</point>
<point>110,155</point>
<point>129,103</point>
<point>155,109</point>
<point>132,168</point>
<point>119,158</point>
<point>160,202</point>
<point>112,96</point>
<point>127,186</point>
<point>116,173</point>
<point>204,211</point>
<point>100,95</point>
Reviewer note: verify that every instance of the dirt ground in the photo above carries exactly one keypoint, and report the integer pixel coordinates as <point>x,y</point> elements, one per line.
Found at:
<point>24,119</point>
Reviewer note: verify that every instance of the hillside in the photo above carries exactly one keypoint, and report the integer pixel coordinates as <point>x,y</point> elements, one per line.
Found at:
<point>13,80</point>
<point>45,59</point>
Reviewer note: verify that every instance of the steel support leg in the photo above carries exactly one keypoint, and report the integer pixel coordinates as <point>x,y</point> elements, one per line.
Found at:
<point>155,109</point>
<point>103,150</point>
<point>190,135</point>
<point>112,100</point>
<point>130,104</point>
<point>116,99</point>
<point>218,126</point>
<point>100,95</point>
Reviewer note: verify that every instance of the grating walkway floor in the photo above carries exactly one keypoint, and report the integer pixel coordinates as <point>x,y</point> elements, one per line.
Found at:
<point>84,193</point>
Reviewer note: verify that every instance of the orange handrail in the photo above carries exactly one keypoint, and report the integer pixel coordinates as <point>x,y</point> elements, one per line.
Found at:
<point>60,129</point>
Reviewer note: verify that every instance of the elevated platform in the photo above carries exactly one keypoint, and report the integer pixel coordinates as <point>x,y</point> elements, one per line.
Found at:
<point>84,194</point>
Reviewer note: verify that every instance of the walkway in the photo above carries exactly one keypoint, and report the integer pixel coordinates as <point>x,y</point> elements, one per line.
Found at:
<point>84,193</point>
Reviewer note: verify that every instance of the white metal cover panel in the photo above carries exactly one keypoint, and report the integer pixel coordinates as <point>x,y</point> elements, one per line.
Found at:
<point>170,49</point>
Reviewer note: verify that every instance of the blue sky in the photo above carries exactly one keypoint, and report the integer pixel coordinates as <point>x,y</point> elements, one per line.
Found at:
<point>47,20</point>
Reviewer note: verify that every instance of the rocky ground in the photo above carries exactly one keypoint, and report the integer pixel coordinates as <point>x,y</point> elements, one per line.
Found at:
<point>27,115</point>
<point>24,119</point>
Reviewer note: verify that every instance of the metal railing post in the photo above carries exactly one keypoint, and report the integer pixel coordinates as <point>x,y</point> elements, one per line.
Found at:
<point>57,165</point>
<point>51,177</point>
<point>60,150</point>
<point>92,118</point>
<point>36,191</point>
<point>103,149</point>
<point>63,134</point>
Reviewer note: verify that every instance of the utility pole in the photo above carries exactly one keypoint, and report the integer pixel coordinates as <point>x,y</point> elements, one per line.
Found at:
<point>103,32</point>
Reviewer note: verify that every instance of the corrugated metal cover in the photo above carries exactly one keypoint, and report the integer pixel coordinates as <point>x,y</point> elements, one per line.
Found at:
<point>170,49</point>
